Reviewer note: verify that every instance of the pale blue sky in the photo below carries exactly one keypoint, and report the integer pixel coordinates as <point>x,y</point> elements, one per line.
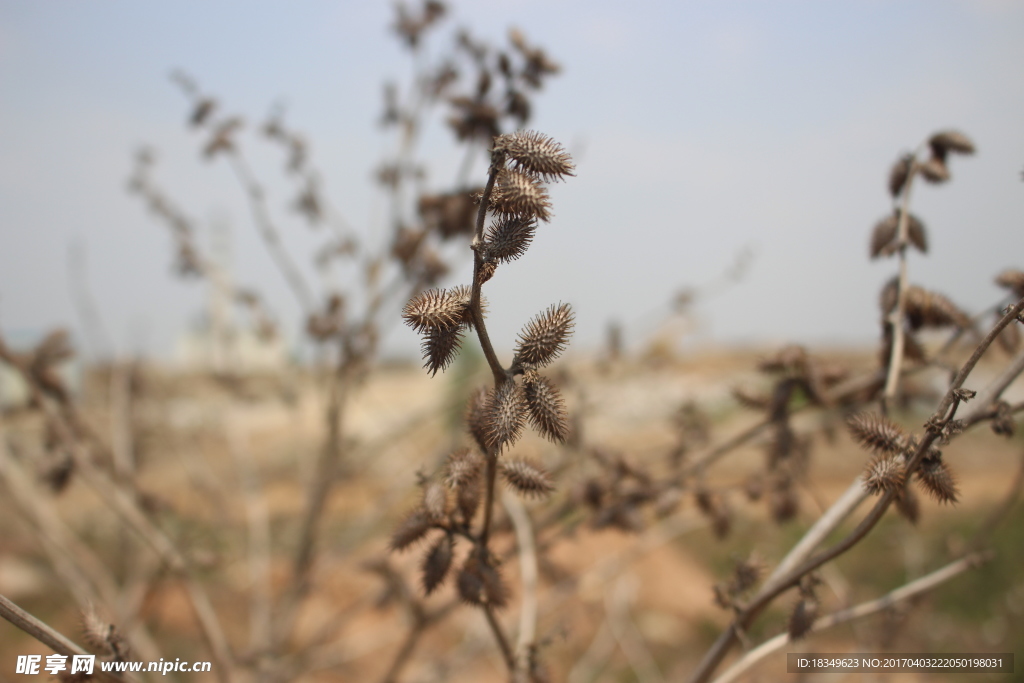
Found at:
<point>700,127</point>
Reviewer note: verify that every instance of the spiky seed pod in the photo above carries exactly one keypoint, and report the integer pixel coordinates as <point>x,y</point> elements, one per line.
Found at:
<point>546,406</point>
<point>746,574</point>
<point>938,479</point>
<point>877,433</point>
<point>929,309</point>
<point>509,238</point>
<point>436,310</point>
<point>883,236</point>
<point>101,635</point>
<point>899,173</point>
<point>505,416</point>
<point>802,618</point>
<point>468,498</point>
<point>934,170</point>
<point>520,194</point>
<point>917,234</point>
<point>527,478</point>
<point>908,505</point>
<point>546,336</point>
<point>486,272</point>
<point>439,348</point>
<point>536,153</point>
<point>476,416</point>
<point>1013,280</point>
<point>463,466</point>
<point>884,473</point>
<point>411,529</point>
<point>480,584</point>
<point>950,141</point>
<point>435,502</point>
<point>436,563</point>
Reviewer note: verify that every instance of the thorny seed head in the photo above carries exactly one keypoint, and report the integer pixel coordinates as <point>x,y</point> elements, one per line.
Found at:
<point>877,433</point>
<point>884,473</point>
<point>546,336</point>
<point>1013,280</point>
<point>934,170</point>
<point>476,416</point>
<point>802,618</point>
<point>463,467</point>
<point>929,309</point>
<point>950,141</point>
<point>508,238</point>
<point>439,348</point>
<point>546,406</point>
<point>536,153</point>
<point>411,529</point>
<point>480,584</point>
<point>437,309</point>
<point>505,416</point>
<point>435,502</point>
<point>899,173</point>
<point>527,478</point>
<point>436,563</point>
<point>938,479</point>
<point>517,193</point>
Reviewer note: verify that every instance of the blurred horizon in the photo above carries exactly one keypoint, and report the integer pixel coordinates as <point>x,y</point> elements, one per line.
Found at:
<point>701,131</point>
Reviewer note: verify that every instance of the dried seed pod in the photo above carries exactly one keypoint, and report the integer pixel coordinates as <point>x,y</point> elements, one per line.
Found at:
<point>435,502</point>
<point>509,238</point>
<point>801,620</point>
<point>436,310</point>
<point>527,478</point>
<point>934,170</point>
<point>476,416</point>
<point>505,416</point>
<point>938,479</point>
<point>411,529</point>
<point>899,173</point>
<point>463,467</point>
<point>1003,422</point>
<point>535,153</point>
<point>468,498</point>
<point>202,111</point>
<point>884,473</point>
<point>546,406</point>
<point>877,433</point>
<point>480,584</point>
<point>103,636</point>
<point>883,236</point>
<point>546,336</point>
<point>917,234</point>
<point>439,348</point>
<point>1013,280</point>
<point>746,574</point>
<point>436,563</point>
<point>950,141</point>
<point>929,309</point>
<point>520,194</point>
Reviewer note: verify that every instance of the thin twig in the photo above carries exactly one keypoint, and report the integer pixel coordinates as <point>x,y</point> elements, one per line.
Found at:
<point>52,638</point>
<point>916,587</point>
<point>769,592</point>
